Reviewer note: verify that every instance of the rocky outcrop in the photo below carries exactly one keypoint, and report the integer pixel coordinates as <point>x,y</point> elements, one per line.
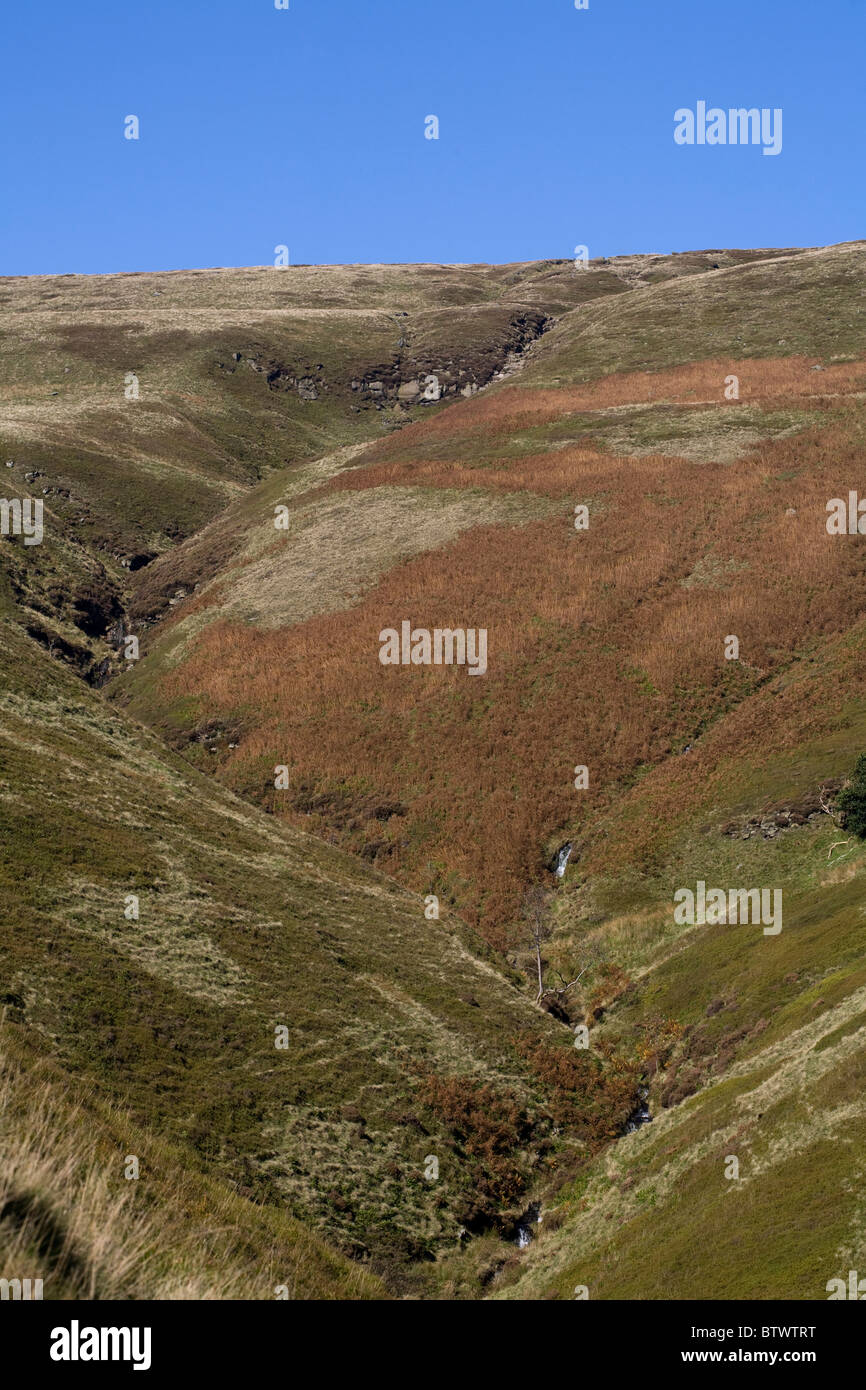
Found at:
<point>804,810</point>
<point>426,367</point>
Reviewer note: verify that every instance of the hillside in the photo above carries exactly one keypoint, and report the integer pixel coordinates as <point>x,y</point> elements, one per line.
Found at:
<point>300,902</point>
<point>767,1058</point>
<point>274,1010</point>
<point>706,518</point>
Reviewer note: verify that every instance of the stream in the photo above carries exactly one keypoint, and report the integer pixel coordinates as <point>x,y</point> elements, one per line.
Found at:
<point>640,1115</point>
<point>530,1218</point>
<point>563,854</point>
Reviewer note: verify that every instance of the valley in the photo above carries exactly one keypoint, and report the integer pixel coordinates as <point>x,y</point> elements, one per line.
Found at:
<point>325,463</point>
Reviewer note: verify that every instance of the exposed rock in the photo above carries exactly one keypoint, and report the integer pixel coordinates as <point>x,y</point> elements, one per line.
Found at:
<point>768,824</point>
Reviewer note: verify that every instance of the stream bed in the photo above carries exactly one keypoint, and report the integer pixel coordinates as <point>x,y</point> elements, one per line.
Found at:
<point>561,858</point>
<point>641,1114</point>
<point>526,1225</point>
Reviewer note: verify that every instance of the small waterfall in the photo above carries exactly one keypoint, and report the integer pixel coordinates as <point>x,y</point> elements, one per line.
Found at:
<point>640,1115</point>
<point>563,854</point>
<point>531,1217</point>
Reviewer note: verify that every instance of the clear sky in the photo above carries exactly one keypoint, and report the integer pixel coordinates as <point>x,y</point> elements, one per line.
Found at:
<point>305,127</point>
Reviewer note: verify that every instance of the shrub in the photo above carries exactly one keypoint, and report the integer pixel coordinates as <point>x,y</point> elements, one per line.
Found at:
<point>487,1130</point>
<point>591,1096</point>
<point>611,984</point>
<point>851,803</point>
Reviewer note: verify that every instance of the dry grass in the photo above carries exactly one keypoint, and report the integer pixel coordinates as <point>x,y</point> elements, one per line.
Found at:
<point>772,382</point>
<point>603,650</point>
<point>335,549</point>
<point>69,1217</point>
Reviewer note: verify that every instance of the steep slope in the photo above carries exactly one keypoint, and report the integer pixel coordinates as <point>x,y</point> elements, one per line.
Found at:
<point>71,1216</point>
<point>705,422</point>
<point>706,518</point>
<point>135,407</point>
<point>273,1011</point>
<point>754,1045</point>
<point>703,417</point>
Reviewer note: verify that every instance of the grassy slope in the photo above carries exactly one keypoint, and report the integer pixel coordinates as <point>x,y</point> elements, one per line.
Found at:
<point>768,1064</point>
<point>771,1064</point>
<point>809,302</point>
<point>240,372</point>
<point>772,1061</point>
<point>679,553</point>
<point>70,1217</point>
<point>244,926</point>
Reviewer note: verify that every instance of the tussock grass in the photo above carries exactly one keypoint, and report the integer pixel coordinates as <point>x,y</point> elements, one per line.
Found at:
<point>69,1217</point>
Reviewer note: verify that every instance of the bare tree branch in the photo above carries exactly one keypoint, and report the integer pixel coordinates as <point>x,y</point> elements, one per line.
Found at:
<point>824,803</point>
<point>536,915</point>
<point>835,845</point>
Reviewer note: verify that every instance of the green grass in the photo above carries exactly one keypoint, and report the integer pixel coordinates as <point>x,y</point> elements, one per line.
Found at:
<point>770,1068</point>
<point>243,926</point>
<point>805,304</point>
<point>156,1036</point>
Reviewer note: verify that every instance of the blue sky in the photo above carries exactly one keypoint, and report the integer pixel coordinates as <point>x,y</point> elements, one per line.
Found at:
<point>305,127</point>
